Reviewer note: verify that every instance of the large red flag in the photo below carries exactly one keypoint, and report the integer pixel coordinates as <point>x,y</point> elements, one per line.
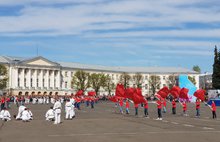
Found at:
<point>138,97</point>
<point>91,93</point>
<point>200,94</point>
<point>129,93</point>
<point>79,93</point>
<point>164,92</point>
<point>184,93</point>
<point>175,91</point>
<point>120,91</point>
<point>113,99</point>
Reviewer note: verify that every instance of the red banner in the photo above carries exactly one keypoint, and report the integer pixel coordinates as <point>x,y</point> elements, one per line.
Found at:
<point>200,94</point>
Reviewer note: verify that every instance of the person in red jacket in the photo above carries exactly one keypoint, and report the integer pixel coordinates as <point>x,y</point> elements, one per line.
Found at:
<point>164,105</point>
<point>213,107</point>
<point>121,105</point>
<point>184,105</point>
<point>127,106</point>
<point>197,108</point>
<point>146,108</point>
<point>174,106</point>
<point>159,107</point>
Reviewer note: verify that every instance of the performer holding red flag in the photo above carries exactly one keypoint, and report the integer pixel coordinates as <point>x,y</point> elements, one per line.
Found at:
<point>127,105</point>
<point>146,108</point>
<point>184,105</point>
<point>159,106</point>
<point>136,108</point>
<point>164,105</point>
<point>174,106</point>
<point>213,108</point>
<point>197,108</point>
<point>121,105</point>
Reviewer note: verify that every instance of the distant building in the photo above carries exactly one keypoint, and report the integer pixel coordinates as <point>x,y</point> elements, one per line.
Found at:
<point>39,75</point>
<point>205,81</point>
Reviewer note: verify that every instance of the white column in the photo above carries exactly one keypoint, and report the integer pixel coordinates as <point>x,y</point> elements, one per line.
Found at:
<point>35,79</point>
<point>41,79</point>
<point>58,80</point>
<point>46,77</point>
<point>22,78</point>
<point>15,78</point>
<point>29,78</point>
<point>52,80</point>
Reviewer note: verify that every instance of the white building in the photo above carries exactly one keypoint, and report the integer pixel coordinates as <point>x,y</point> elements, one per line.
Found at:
<point>39,75</point>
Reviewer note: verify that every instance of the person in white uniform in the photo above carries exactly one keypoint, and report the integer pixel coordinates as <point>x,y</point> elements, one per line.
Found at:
<point>68,109</point>
<point>57,110</point>
<point>72,113</point>
<point>50,114</point>
<point>25,117</point>
<point>5,115</point>
<point>20,110</point>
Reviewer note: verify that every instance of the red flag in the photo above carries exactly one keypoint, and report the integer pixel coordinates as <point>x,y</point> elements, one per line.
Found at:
<point>120,91</point>
<point>200,94</point>
<point>91,93</point>
<point>79,93</point>
<point>164,92</point>
<point>129,93</point>
<point>175,91</point>
<point>184,93</point>
<point>113,99</point>
<point>138,97</point>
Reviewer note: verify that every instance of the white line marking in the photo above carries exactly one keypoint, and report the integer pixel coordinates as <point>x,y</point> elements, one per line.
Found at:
<point>144,133</point>
<point>207,128</point>
<point>175,123</point>
<point>187,125</point>
<point>165,121</point>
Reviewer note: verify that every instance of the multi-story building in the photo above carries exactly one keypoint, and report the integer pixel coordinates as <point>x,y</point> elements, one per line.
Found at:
<point>39,75</point>
<point>205,81</point>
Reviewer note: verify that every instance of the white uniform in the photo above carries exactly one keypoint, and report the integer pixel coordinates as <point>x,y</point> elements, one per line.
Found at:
<point>50,115</point>
<point>20,110</point>
<point>34,100</point>
<point>68,109</point>
<point>52,100</point>
<point>31,115</point>
<point>25,116</point>
<point>72,113</point>
<point>57,110</point>
<point>5,115</point>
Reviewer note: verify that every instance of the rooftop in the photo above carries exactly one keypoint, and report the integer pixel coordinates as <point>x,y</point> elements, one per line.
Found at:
<point>73,65</point>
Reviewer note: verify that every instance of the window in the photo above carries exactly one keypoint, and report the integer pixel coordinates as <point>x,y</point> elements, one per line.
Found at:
<point>55,81</point>
<point>31,82</point>
<point>49,83</point>
<point>65,84</point>
<point>112,76</point>
<point>71,73</point>
<point>66,74</point>
<point>164,77</point>
<point>18,82</point>
<point>146,86</point>
<point>146,77</point>
<point>25,82</point>
<point>43,83</point>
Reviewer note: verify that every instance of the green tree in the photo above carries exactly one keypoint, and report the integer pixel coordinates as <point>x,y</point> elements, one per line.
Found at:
<point>192,79</point>
<point>97,81</point>
<point>110,86</point>
<point>138,79</point>
<point>3,77</point>
<point>216,69</point>
<point>81,80</point>
<point>154,83</point>
<point>125,79</point>
<point>197,69</point>
<point>171,80</point>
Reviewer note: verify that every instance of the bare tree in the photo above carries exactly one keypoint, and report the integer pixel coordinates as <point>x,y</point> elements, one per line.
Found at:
<point>125,78</point>
<point>154,83</point>
<point>138,79</point>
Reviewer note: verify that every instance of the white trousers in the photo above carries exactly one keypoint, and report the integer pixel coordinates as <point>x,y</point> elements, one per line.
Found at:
<point>68,114</point>
<point>57,118</point>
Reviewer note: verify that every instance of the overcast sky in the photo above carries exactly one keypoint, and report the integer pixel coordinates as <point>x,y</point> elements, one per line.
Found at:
<point>179,33</point>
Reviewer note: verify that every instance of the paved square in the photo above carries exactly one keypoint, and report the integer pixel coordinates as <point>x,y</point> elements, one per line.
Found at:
<point>103,124</point>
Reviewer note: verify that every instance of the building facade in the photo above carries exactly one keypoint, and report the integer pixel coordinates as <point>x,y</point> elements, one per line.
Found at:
<point>39,75</point>
<point>205,81</point>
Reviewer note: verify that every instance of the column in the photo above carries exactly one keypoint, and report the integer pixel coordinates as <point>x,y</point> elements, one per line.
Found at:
<point>40,79</point>
<point>58,80</point>
<point>35,79</point>
<point>52,80</point>
<point>15,78</point>
<point>29,78</point>
<point>22,79</point>
<point>46,77</point>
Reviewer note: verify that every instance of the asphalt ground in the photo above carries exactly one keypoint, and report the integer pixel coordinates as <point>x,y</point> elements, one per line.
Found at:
<point>106,124</point>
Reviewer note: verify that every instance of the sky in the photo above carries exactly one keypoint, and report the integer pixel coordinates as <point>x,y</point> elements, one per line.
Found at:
<point>174,33</point>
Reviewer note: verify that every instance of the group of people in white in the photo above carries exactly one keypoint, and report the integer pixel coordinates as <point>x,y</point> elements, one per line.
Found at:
<point>53,114</point>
